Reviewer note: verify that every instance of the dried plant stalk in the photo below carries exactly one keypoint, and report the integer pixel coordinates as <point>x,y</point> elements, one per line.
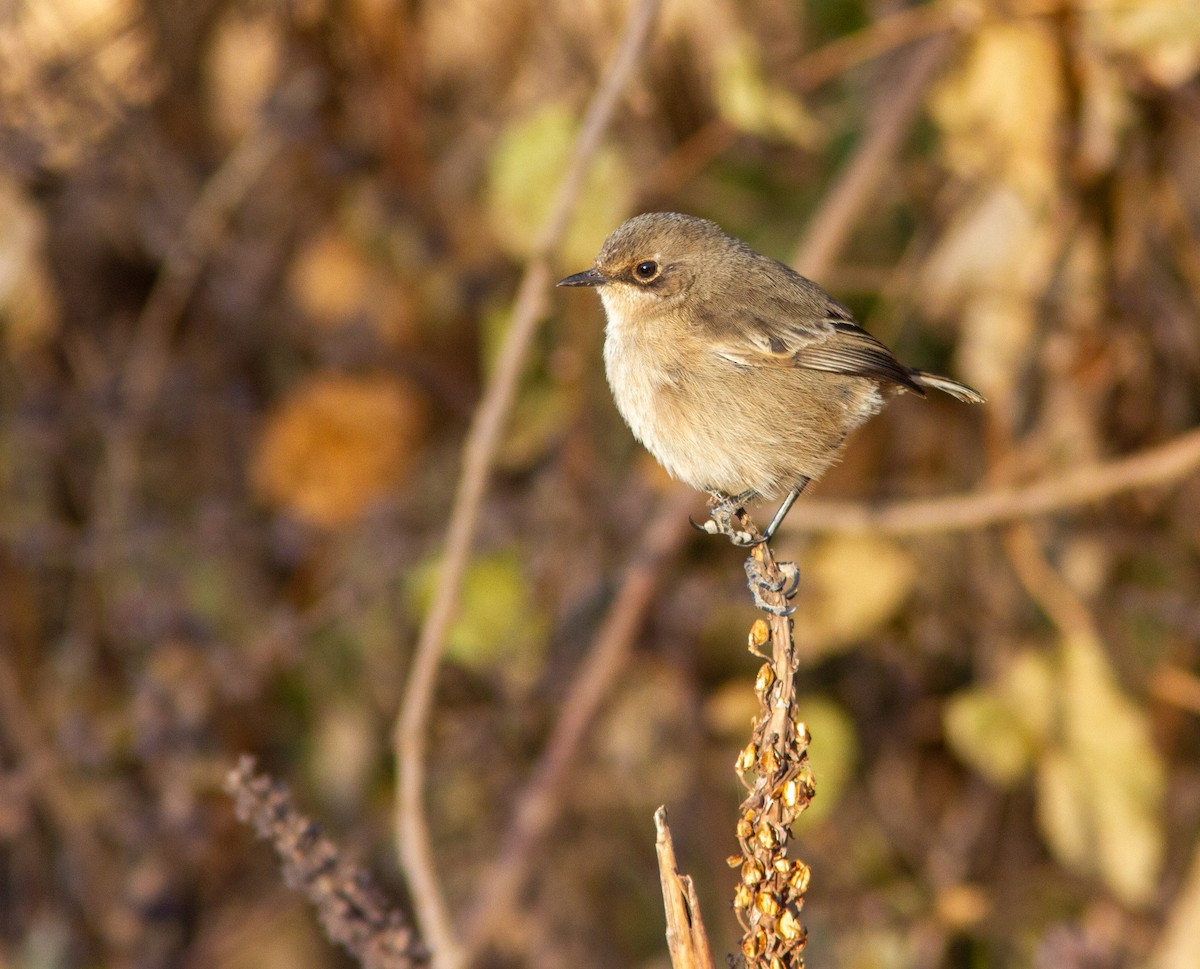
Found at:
<point>352,911</point>
<point>686,937</point>
<point>774,769</point>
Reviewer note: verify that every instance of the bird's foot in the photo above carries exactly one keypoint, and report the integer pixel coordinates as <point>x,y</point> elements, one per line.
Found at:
<point>728,517</point>
<point>781,581</point>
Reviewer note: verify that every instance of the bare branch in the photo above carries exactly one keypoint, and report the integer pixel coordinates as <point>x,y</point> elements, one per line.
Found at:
<point>891,119</point>
<point>1161,465</point>
<point>538,804</point>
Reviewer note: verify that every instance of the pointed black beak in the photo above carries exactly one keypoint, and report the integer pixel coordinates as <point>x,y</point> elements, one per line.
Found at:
<point>589,277</point>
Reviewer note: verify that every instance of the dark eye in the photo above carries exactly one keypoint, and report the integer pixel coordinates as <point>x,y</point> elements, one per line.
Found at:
<point>646,271</point>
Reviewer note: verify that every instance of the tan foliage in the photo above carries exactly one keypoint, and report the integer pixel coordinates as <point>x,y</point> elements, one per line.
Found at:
<point>337,444</point>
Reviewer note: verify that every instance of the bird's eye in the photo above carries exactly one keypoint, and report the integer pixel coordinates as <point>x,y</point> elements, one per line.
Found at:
<point>646,271</point>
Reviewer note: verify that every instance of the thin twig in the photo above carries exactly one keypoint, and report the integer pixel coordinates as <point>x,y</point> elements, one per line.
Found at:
<point>1160,465</point>
<point>890,121</point>
<point>412,831</point>
<point>145,368</point>
<point>877,38</point>
<point>538,804</point>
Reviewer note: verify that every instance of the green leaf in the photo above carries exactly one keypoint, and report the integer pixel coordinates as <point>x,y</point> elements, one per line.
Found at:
<point>748,102</point>
<point>500,626</point>
<point>1001,729</point>
<point>527,164</point>
<point>833,752</point>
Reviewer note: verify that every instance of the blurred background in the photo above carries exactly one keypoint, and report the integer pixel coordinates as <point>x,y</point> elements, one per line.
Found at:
<point>256,260</point>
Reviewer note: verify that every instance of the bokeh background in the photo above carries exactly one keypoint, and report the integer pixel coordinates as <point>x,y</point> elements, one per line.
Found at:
<point>256,259</point>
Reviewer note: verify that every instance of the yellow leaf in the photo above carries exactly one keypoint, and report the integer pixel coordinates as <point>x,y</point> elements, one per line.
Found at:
<point>1100,789</point>
<point>834,612</point>
<point>1001,112</point>
<point>1163,35</point>
<point>1179,945</point>
<point>499,626</point>
<point>28,305</point>
<point>1001,729</point>
<point>240,65</point>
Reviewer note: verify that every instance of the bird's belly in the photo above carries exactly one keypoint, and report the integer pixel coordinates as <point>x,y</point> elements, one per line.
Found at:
<point>743,429</point>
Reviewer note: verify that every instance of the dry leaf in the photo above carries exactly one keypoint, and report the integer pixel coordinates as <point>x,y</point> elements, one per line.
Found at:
<point>852,585</point>
<point>337,444</point>
<point>1162,35</point>
<point>1100,781</point>
<point>240,68</point>
<point>1002,111</point>
<point>330,279</point>
<point>989,270</point>
<point>28,305</point>
<point>1100,791</point>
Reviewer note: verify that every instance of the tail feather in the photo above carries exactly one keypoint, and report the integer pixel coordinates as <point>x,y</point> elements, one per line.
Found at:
<point>948,386</point>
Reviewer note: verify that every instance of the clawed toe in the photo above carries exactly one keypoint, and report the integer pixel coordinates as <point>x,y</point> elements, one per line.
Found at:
<point>770,607</point>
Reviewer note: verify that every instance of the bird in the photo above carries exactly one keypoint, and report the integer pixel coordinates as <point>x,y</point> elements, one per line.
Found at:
<point>740,376</point>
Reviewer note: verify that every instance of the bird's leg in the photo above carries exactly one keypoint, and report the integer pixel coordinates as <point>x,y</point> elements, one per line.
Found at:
<point>784,508</point>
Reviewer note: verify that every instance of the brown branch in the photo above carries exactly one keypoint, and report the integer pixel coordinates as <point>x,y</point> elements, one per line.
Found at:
<point>539,802</point>
<point>687,940</point>
<point>891,119</point>
<point>1160,465</point>
<point>874,40</point>
<point>352,911</point>
<point>412,832</point>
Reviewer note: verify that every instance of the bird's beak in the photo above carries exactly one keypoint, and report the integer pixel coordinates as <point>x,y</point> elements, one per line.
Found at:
<point>589,277</point>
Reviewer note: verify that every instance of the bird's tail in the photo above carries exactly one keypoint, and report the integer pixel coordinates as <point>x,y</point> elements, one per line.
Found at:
<point>946,385</point>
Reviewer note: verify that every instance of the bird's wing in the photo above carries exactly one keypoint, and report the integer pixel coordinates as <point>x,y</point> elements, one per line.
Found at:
<point>810,334</point>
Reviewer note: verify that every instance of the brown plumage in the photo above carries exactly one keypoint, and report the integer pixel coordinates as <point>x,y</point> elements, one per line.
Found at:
<point>738,374</point>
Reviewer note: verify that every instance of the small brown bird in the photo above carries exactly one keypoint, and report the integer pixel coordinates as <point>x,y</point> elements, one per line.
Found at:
<point>739,375</point>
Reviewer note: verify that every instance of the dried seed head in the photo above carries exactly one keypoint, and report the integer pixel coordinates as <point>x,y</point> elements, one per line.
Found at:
<point>784,865</point>
<point>762,683</point>
<point>760,632</point>
<point>733,861</point>
<point>789,927</point>
<point>767,904</point>
<point>752,872</point>
<point>746,758</point>
<point>800,878</point>
<point>768,761</point>
<point>742,897</point>
<point>791,793</point>
<point>754,943</point>
<point>766,835</point>
<point>745,825</point>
